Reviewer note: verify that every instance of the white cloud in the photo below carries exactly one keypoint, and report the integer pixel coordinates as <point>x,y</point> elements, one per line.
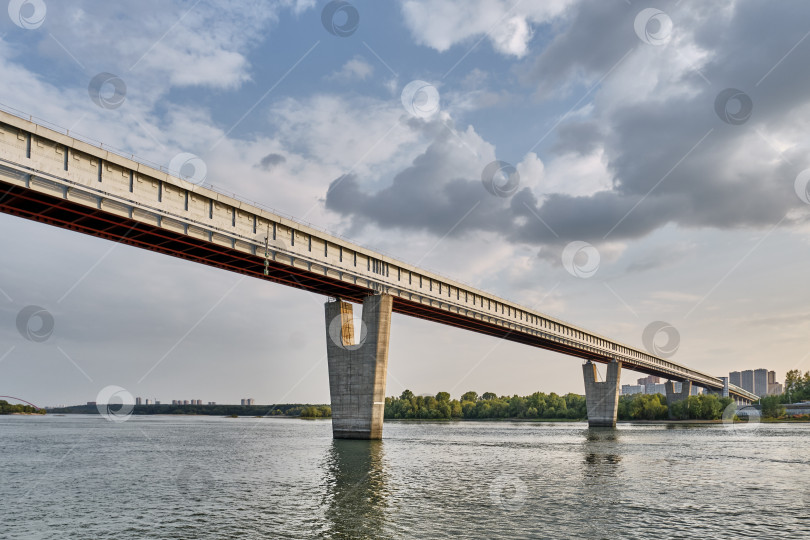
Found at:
<point>577,175</point>
<point>512,36</point>
<point>532,171</point>
<point>440,24</point>
<point>170,43</point>
<point>356,68</point>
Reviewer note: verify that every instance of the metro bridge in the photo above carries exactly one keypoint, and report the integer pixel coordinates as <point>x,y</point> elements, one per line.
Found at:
<point>69,182</point>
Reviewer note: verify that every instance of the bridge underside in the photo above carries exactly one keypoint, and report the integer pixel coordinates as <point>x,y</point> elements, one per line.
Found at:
<point>66,214</point>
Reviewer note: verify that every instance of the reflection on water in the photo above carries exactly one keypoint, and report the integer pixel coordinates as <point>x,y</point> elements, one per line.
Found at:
<point>603,484</point>
<point>600,447</point>
<point>356,495</point>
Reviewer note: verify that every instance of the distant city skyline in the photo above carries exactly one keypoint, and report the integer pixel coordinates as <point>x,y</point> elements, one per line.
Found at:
<point>759,381</point>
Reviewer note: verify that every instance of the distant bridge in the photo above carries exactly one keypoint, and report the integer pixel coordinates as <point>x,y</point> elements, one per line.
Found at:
<point>69,182</point>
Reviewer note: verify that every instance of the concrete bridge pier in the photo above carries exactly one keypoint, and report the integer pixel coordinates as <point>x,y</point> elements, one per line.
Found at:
<point>602,398</point>
<point>674,397</point>
<point>357,371</point>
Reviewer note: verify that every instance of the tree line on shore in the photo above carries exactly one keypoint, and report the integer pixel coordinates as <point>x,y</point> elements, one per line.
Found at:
<point>487,405</point>
<point>471,405</point>
<point>8,408</point>
<point>287,409</point>
<point>543,406</point>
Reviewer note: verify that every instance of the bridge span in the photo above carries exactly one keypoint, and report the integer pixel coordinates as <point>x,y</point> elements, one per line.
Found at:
<point>70,182</point>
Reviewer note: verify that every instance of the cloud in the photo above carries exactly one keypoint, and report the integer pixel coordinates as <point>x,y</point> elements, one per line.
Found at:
<point>271,160</point>
<point>646,151</point>
<point>172,43</point>
<point>354,69</point>
<point>441,24</point>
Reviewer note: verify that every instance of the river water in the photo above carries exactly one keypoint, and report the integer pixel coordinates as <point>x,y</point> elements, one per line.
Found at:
<point>83,477</point>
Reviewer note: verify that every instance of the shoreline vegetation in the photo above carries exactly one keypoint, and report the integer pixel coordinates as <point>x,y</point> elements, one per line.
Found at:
<point>541,407</point>
<point>8,408</point>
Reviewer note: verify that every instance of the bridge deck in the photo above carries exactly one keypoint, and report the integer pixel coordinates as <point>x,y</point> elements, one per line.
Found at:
<point>52,178</point>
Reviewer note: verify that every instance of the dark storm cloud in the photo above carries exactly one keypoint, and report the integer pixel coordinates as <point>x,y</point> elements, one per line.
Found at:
<point>578,137</point>
<point>598,35</point>
<point>433,194</point>
<point>671,157</point>
<point>271,160</point>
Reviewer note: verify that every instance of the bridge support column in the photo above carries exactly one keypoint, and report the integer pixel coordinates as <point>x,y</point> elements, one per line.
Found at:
<point>357,371</point>
<point>602,398</point>
<point>674,397</point>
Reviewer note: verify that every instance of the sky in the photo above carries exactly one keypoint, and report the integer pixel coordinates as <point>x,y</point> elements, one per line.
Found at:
<point>639,169</point>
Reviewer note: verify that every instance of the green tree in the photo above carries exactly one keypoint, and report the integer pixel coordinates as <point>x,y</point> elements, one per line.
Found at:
<point>469,396</point>
<point>443,396</point>
<point>517,407</point>
<point>772,407</point>
<point>468,409</point>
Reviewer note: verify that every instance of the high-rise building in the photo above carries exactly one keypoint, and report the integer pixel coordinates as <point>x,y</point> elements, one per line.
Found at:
<point>774,388</point>
<point>650,379</point>
<point>185,402</point>
<point>761,382</point>
<point>628,389</point>
<point>148,401</point>
<point>734,378</point>
<point>655,388</point>
<point>174,402</point>
<point>212,402</point>
<point>747,380</point>
<point>244,402</point>
<point>157,402</point>
<point>138,401</point>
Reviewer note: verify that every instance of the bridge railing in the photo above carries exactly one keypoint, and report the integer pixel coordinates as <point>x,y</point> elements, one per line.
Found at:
<point>162,168</point>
